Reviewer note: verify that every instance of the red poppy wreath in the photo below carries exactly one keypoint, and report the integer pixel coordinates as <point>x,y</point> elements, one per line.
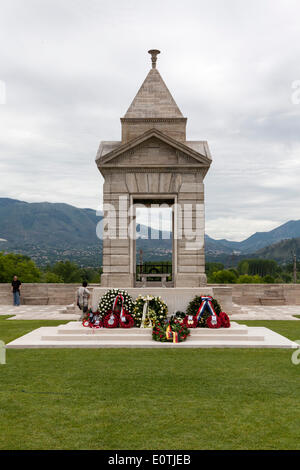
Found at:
<point>190,321</point>
<point>128,323</point>
<point>213,321</point>
<point>111,321</point>
<point>225,320</point>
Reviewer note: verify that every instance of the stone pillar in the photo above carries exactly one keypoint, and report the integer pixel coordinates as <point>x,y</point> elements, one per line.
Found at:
<point>117,269</point>
<point>190,231</point>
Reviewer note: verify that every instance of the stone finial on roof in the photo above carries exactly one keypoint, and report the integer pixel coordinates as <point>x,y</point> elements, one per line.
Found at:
<point>154,53</point>
<point>153,100</point>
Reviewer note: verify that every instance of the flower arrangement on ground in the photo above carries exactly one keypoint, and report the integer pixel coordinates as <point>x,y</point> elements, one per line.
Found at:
<point>205,312</point>
<point>149,310</point>
<point>92,320</point>
<point>115,309</point>
<point>175,332</point>
<point>225,320</point>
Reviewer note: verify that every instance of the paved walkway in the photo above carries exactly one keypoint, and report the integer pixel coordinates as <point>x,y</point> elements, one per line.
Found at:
<point>37,312</point>
<point>261,312</point>
<point>54,312</point>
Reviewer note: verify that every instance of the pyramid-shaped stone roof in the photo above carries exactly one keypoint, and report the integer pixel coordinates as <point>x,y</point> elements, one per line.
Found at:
<point>153,100</point>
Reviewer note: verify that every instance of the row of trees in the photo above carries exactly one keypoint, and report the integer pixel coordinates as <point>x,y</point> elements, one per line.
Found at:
<point>61,272</point>
<point>247,271</point>
<point>256,271</point>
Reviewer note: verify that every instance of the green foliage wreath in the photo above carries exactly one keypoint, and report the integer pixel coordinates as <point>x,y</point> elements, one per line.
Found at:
<point>194,306</point>
<point>157,310</point>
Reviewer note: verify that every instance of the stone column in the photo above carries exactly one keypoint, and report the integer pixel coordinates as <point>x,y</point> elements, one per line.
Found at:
<point>190,231</point>
<point>116,248</point>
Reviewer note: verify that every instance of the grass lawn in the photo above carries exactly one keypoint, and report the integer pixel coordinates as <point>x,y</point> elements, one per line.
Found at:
<point>149,399</point>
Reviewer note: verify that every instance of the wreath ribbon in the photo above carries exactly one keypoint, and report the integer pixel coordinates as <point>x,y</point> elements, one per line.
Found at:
<point>145,314</point>
<point>206,303</point>
<point>122,313</point>
<point>169,332</point>
<point>175,337</point>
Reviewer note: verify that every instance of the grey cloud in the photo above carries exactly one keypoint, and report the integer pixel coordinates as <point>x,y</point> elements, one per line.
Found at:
<point>72,68</point>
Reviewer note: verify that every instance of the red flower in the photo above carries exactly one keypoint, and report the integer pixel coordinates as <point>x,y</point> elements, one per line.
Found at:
<point>225,320</point>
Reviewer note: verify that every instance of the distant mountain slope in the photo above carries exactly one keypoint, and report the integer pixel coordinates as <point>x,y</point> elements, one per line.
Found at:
<point>258,240</point>
<point>50,231</point>
<point>46,223</point>
<point>282,251</point>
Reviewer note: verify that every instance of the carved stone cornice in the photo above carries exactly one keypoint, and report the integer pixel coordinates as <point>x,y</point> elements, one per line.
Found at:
<point>166,169</point>
<point>138,120</point>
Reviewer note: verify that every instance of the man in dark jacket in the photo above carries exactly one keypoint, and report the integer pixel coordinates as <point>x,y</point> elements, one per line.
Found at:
<point>15,287</point>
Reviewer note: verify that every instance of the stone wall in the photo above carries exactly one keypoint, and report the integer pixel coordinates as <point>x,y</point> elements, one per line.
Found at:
<point>242,294</point>
<point>264,294</point>
<point>40,294</point>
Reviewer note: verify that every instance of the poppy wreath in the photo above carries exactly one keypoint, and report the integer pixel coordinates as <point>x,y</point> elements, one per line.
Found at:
<point>190,321</point>
<point>107,301</point>
<point>213,321</point>
<point>97,323</point>
<point>111,320</point>
<point>126,321</point>
<point>203,309</point>
<point>92,320</point>
<point>225,320</point>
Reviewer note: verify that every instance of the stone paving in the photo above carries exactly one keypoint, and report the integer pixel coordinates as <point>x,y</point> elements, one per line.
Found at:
<point>246,312</point>
<point>37,312</point>
<point>260,312</point>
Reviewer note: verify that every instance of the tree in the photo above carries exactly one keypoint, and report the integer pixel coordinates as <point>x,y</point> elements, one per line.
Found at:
<point>268,279</point>
<point>223,277</point>
<point>69,272</point>
<point>22,266</point>
<point>243,267</point>
<point>262,267</point>
<point>286,277</point>
<point>245,279</point>
<point>52,278</point>
<point>210,268</point>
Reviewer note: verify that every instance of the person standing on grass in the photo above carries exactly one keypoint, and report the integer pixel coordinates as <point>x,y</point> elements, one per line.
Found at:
<point>83,295</point>
<point>15,287</point>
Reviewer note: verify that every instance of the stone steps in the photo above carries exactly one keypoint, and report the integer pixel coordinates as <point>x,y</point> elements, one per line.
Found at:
<point>35,300</point>
<point>136,338</point>
<point>68,309</point>
<point>74,335</point>
<point>272,301</point>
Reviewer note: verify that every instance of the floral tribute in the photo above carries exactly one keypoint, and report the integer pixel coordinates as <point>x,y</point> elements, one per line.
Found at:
<point>149,310</point>
<point>225,320</point>
<point>92,320</point>
<point>115,309</point>
<point>190,321</point>
<point>205,312</point>
<point>175,331</point>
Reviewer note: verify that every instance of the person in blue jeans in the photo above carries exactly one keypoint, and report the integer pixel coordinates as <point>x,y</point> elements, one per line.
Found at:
<point>16,285</point>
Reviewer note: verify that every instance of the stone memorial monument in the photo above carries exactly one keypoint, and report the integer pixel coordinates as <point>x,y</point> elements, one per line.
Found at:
<point>153,163</point>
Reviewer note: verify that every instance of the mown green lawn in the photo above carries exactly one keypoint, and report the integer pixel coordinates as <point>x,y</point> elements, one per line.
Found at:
<point>149,399</point>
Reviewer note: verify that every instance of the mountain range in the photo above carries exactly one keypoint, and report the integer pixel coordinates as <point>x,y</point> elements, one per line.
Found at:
<point>48,232</point>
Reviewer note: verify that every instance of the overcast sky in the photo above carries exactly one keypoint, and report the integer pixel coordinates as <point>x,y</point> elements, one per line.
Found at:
<point>72,67</point>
